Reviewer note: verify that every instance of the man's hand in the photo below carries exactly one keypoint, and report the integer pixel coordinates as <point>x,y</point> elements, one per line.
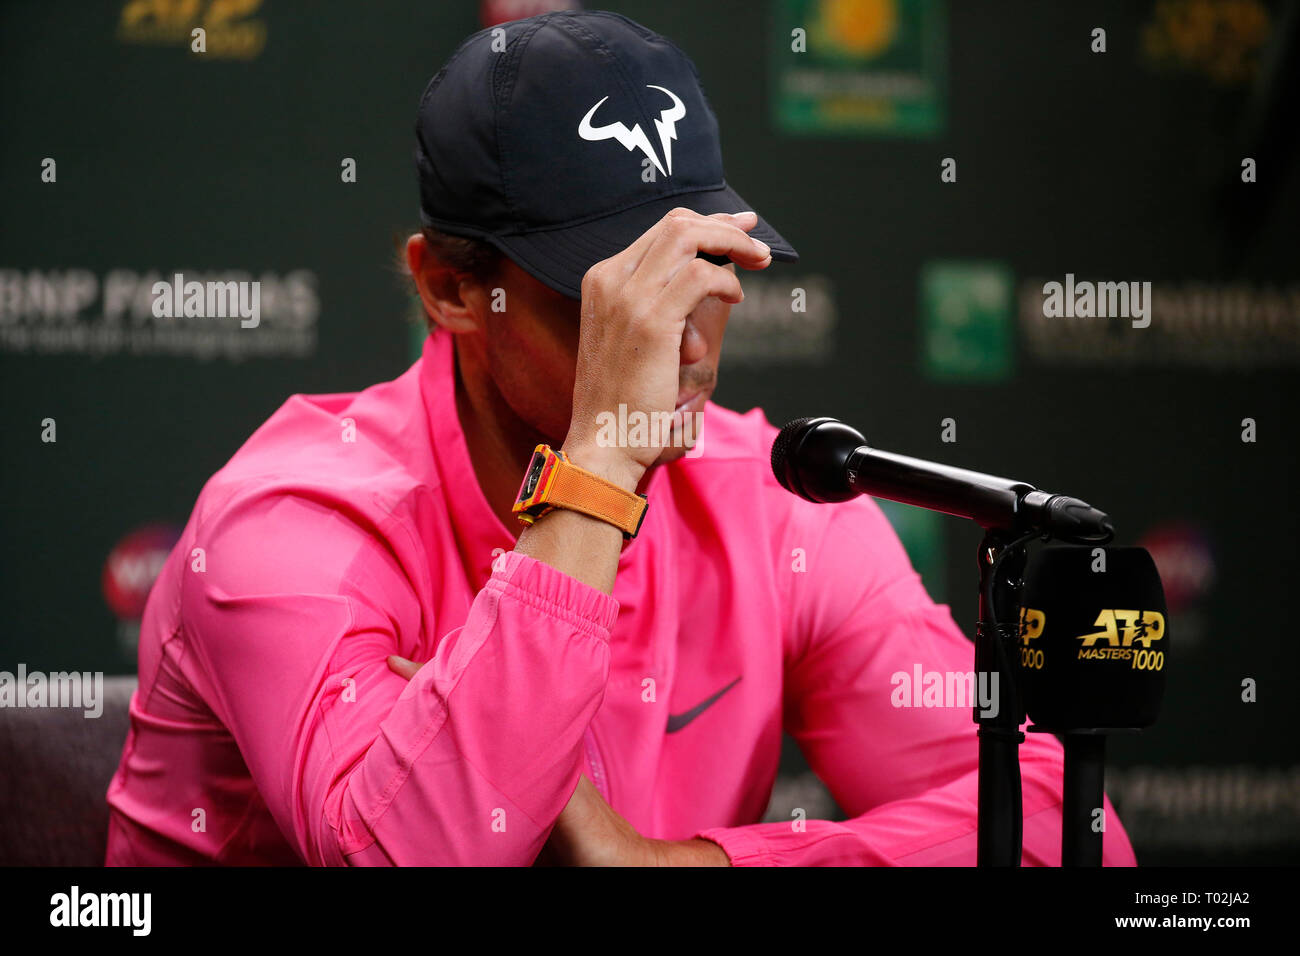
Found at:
<point>589,833</point>
<point>634,314</point>
<point>634,311</point>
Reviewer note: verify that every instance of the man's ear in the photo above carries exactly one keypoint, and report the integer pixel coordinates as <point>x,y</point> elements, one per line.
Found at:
<point>441,289</point>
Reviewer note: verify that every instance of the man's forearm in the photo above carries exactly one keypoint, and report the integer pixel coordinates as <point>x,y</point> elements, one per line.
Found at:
<point>584,548</point>
<point>696,852</point>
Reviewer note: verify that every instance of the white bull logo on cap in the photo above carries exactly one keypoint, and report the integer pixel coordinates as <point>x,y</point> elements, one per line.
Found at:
<point>635,138</point>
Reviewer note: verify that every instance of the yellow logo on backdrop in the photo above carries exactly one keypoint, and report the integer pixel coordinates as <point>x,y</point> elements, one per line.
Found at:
<point>863,28</point>
<point>230,30</point>
<point>1224,41</point>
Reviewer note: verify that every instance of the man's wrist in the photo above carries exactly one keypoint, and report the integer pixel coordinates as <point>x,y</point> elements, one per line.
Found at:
<point>612,464</point>
<point>694,852</point>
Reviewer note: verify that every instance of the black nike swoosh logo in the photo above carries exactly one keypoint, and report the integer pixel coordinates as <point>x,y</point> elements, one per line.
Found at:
<point>677,721</point>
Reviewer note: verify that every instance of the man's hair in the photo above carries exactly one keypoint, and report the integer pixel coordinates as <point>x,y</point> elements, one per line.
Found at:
<point>475,258</point>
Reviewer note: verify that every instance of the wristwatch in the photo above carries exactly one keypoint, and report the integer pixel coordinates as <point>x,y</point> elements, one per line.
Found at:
<point>553,481</point>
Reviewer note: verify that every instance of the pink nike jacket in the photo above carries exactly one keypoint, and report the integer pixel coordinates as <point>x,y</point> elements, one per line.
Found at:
<point>268,728</point>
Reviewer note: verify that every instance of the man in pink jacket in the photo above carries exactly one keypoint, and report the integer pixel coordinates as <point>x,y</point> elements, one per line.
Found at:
<point>607,684</point>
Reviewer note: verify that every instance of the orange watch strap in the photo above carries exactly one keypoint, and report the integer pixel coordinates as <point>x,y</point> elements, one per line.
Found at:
<point>577,489</point>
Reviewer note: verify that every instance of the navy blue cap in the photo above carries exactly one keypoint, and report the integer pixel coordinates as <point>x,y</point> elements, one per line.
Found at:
<point>567,137</point>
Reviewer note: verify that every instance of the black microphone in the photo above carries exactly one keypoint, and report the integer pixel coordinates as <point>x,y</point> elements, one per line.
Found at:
<point>824,460</point>
<point>1094,652</point>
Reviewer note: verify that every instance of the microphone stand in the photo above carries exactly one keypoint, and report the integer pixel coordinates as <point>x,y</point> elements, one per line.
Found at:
<point>1085,772</point>
<point>821,459</point>
<point>1000,824</point>
<point>1083,791</point>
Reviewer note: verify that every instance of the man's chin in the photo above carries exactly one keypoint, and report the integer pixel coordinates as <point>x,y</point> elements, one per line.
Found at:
<point>685,437</point>
<point>670,455</point>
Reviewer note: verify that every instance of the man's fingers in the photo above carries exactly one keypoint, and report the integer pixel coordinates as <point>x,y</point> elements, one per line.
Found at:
<point>681,240</point>
<point>676,219</point>
<point>694,282</point>
<point>402,667</point>
<point>746,220</point>
<point>633,254</point>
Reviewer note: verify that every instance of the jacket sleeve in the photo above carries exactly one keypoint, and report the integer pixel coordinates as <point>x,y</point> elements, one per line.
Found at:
<point>291,623</point>
<point>905,775</point>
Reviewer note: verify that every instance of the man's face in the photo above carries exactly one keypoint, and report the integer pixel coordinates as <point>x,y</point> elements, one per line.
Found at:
<point>531,352</point>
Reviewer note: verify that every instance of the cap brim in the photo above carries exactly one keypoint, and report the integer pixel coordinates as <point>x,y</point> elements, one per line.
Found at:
<point>559,258</point>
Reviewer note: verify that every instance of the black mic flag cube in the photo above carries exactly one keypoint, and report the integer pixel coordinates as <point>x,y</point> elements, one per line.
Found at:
<point>1094,639</point>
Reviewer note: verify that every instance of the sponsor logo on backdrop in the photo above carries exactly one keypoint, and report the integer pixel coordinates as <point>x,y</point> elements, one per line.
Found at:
<point>859,67</point>
<point>493,12</point>
<point>1230,809</point>
<point>120,312</point>
<point>966,321</point>
<point>1198,324</point>
<point>129,574</point>
<point>1221,41</point>
<point>788,321</point>
<point>230,29</point>
<point>1182,554</point>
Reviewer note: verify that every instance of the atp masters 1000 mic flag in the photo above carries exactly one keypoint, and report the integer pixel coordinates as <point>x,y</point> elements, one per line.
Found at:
<point>1094,639</point>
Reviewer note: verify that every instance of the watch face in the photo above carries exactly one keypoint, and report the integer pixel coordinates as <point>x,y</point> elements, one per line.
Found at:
<point>534,473</point>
